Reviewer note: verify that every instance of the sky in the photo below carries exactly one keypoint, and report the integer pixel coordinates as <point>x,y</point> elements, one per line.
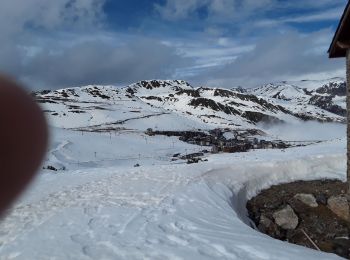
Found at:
<point>219,43</point>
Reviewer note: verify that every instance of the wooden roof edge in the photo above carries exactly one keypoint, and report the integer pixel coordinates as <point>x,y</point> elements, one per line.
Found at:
<point>333,45</point>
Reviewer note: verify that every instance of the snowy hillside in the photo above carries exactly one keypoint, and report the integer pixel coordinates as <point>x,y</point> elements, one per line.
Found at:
<point>176,105</point>
<point>302,97</point>
<point>109,210</point>
<point>112,189</point>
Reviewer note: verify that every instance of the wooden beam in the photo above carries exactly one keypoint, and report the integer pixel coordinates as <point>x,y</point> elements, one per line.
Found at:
<point>343,45</point>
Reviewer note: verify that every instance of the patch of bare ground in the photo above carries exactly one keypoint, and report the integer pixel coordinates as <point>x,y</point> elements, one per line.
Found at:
<point>313,214</point>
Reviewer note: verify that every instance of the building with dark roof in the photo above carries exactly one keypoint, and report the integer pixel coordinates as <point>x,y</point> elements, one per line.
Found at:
<point>340,48</point>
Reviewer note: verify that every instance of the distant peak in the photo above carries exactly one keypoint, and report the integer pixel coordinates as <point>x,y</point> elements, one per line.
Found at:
<point>156,83</point>
<point>239,89</point>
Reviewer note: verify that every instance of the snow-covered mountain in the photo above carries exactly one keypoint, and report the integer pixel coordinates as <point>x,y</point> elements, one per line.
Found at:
<point>302,97</point>
<point>176,105</point>
<point>111,191</point>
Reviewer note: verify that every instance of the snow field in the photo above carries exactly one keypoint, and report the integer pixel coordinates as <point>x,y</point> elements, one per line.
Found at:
<point>163,211</point>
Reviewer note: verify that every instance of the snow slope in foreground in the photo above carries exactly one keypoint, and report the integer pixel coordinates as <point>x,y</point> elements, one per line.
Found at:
<point>164,211</point>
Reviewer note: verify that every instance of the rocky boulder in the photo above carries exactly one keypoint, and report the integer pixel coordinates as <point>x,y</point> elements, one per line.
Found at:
<point>307,199</point>
<point>286,218</point>
<point>339,205</point>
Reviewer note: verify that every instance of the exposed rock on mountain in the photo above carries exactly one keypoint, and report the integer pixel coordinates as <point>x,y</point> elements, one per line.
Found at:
<point>333,89</point>
<point>326,103</point>
<point>211,104</point>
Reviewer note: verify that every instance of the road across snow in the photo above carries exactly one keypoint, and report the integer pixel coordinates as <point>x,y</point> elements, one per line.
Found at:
<point>162,211</point>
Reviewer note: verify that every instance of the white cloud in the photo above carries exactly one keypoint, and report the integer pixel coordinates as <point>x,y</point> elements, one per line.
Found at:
<point>278,57</point>
<point>18,15</point>
<point>98,62</point>
<point>229,10</point>
<point>64,42</point>
<point>179,9</point>
<point>20,20</point>
<point>222,7</point>
<point>306,131</point>
<point>217,9</point>
<point>332,14</point>
<point>327,15</point>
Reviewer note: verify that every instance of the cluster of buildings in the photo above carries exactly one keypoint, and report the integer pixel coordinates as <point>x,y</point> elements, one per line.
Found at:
<point>235,146</point>
<point>221,140</point>
<point>240,142</point>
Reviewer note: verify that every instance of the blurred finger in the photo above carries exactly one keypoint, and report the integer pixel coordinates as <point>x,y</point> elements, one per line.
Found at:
<point>23,140</point>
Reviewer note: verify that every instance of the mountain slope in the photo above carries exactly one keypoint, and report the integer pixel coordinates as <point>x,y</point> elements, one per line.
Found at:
<point>301,97</point>
<point>176,105</point>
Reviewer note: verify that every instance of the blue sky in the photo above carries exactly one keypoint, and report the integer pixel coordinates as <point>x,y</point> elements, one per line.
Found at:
<point>227,43</point>
<point>136,14</point>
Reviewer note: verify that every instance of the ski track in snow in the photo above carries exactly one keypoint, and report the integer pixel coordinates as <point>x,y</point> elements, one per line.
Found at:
<point>159,212</point>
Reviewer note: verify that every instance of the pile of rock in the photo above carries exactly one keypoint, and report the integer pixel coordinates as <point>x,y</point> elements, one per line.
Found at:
<point>319,219</point>
<point>287,219</point>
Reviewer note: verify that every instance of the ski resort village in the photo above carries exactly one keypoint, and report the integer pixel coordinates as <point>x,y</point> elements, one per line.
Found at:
<point>214,129</point>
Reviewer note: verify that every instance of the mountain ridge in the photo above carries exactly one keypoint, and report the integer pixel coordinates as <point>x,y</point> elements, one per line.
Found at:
<point>205,107</point>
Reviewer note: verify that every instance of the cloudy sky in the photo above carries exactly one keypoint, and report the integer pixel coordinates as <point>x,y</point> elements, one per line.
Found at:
<point>227,43</point>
